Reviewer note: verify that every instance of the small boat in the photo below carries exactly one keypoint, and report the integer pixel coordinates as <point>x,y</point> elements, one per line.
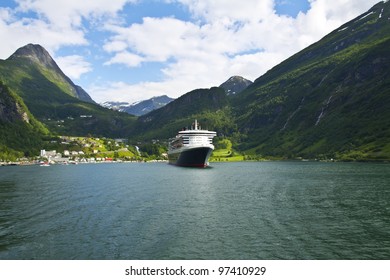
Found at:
<point>44,164</point>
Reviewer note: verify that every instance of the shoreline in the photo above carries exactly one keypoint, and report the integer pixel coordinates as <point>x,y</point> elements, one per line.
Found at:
<point>33,163</point>
<point>222,160</point>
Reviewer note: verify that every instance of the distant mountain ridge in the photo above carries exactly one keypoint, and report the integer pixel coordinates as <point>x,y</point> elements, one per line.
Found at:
<point>139,108</point>
<point>232,86</point>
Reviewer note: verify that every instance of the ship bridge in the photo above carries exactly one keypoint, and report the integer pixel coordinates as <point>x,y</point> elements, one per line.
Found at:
<point>197,136</point>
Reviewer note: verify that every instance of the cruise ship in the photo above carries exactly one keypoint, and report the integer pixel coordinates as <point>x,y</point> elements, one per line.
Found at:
<point>191,147</point>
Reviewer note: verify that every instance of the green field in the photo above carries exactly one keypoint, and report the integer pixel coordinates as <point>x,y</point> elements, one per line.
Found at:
<point>224,152</point>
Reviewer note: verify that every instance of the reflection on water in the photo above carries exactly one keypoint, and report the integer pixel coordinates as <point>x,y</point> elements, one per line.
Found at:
<point>267,210</point>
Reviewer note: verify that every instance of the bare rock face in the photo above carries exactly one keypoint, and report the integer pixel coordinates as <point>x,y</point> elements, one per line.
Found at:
<point>235,85</point>
<point>36,53</point>
<point>10,109</point>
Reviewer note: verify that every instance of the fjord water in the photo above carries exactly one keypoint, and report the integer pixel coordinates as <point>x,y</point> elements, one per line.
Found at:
<point>245,210</point>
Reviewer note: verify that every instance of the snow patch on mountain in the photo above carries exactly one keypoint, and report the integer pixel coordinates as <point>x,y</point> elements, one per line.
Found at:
<point>139,108</point>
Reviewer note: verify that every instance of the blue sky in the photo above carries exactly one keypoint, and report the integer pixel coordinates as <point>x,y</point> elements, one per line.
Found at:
<point>291,8</point>
<point>130,50</point>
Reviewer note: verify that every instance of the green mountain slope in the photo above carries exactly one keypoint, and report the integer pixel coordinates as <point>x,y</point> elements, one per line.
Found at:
<point>55,100</point>
<point>209,106</point>
<point>21,134</point>
<point>330,100</point>
<point>35,57</point>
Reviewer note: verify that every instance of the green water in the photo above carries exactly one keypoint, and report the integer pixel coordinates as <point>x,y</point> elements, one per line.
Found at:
<point>246,210</point>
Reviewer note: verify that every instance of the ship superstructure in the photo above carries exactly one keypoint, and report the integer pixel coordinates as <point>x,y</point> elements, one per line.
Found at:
<point>191,147</point>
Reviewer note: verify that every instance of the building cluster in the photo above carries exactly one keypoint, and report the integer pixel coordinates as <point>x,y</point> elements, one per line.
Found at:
<point>85,149</point>
<point>69,157</point>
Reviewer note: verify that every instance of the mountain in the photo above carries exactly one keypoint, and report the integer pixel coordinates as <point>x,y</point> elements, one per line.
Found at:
<point>210,106</point>
<point>116,105</point>
<point>53,99</point>
<point>139,108</point>
<point>235,85</point>
<point>331,100</point>
<point>146,106</point>
<point>83,95</point>
<point>204,104</point>
<point>37,54</point>
<point>232,86</point>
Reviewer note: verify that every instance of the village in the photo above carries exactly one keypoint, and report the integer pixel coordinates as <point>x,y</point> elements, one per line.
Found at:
<point>74,150</point>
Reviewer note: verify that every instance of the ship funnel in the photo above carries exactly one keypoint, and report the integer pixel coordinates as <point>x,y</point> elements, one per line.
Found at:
<point>196,124</point>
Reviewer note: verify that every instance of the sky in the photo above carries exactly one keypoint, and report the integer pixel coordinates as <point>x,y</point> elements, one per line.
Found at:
<point>132,50</point>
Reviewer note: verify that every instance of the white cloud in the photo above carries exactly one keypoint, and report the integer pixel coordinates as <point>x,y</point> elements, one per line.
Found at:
<point>54,24</point>
<point>183,76</point>
<point>126,58</point>
<point>231,10</point>
<point>221,38</point>
<point>157,39</point>
<point>65,13</point>
<point>21,32</point>
<point>250,64</point>
<point>224,38</point>
<point>115,46</point>
<point>121,91</point>
<point>73,65</point>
